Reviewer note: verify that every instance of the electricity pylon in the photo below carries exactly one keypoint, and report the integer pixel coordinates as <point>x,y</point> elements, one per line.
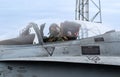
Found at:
<point>84,12</point>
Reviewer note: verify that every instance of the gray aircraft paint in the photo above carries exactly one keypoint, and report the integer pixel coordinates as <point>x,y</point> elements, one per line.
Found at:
<point>88,57</point>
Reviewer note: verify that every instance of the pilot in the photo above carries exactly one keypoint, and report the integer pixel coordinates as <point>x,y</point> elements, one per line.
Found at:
<point>54,31</point>
<point>70,30</point>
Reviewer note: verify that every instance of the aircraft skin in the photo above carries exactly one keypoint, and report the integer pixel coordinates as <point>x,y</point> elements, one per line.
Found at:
<point>56,69</point>
<point>89,57</point>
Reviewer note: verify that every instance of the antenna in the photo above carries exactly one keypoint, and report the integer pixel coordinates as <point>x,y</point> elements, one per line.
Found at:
<point>83,12</point>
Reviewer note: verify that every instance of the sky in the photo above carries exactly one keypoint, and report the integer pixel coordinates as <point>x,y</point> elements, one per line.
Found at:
<point>15,14</point>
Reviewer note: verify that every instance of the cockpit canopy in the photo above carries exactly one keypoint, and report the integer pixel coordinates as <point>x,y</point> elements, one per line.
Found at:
<point>52,32</point>
<point>47,31</point>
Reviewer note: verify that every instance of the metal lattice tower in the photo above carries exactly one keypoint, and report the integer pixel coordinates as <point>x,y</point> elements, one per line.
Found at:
<point>84,13</point>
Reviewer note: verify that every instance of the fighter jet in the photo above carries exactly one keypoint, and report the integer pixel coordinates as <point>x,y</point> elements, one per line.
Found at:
<point>60,52</point>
